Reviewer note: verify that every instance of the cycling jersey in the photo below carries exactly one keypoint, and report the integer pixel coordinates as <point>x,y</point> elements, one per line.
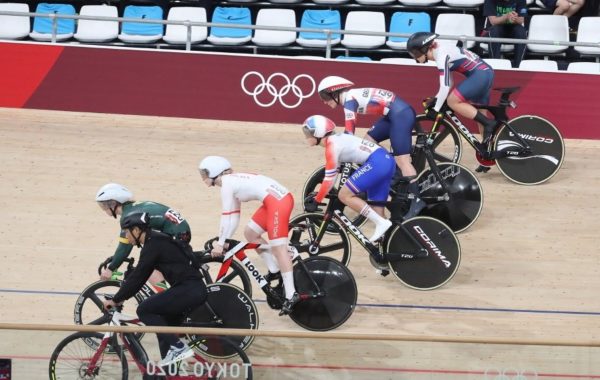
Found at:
<point>159,252</point>
<point>370,177</point>
<point>162,218</point>
<point>272,216</point>
<point>366,101</point>
<point>479,75</point>
<point>397,118</point>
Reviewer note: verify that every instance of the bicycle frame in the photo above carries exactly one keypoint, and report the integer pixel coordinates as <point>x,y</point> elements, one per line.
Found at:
<point>333,211</point>
<point>239,251</point>
<point>137,352</point>
<point>501,116</point>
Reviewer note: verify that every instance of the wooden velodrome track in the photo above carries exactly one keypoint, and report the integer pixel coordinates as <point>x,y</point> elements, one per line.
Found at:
<point>529,270</point>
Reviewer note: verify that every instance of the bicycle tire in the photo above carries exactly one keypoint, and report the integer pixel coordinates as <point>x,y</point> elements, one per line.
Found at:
<point>443,257</point>
<point>465,193</point>
<point>89,303</point>
<point>446,147</point>
<point>73,353</point>
<point>236,275</point>
<point>547,146</point>
<point>236,366</point>
<point>336,306</point>
<point>336,245</point>
<point>234,308</point>
<point>312,185</point>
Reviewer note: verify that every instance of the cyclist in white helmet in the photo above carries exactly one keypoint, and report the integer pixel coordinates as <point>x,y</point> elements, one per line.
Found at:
<point>373,177</point>
<point>396,124</point>
<point>272,217</point>
<point>116,200</point>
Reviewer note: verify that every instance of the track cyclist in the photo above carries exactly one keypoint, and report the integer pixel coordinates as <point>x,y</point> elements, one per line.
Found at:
<point>272,217</point>
<point>396,124</point>
<point>115,199</point>
<point>374,176</point>
<point>475,88</point>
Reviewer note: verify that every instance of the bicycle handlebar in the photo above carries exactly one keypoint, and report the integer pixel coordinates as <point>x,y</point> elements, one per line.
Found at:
<point>205,257</point>
<point>129,260</point>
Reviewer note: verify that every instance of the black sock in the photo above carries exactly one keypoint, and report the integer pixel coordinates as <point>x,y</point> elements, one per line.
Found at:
<point>482,119</point>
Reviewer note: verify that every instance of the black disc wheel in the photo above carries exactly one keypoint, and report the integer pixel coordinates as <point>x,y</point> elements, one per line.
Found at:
<point>537,164</point>
<point>226,306</point>
<point>440,263</point>
<point>337,296</point>
<point>465,196</point>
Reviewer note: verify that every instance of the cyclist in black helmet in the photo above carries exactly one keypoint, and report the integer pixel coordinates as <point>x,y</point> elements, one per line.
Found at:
<point>423,46</point>
<point>186,292</point>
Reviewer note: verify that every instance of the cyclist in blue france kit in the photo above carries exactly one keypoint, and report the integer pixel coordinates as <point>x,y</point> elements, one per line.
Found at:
<point>475,88</point>
<point>373,176</point>
<point>396,124</point>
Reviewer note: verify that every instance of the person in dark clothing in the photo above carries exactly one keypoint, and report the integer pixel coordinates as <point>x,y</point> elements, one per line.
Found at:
<point>187,289</point>
<point>506,19</point>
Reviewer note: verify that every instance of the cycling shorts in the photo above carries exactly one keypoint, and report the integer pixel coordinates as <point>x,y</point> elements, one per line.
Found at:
<point>374,176</point>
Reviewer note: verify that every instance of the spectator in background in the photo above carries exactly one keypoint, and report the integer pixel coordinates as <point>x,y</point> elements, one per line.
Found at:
<point>564,7</point>
<point>506,19</point>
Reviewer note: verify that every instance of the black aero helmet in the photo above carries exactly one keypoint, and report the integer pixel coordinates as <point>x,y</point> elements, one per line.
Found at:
<point>135,219</point>
<point>418,43</point>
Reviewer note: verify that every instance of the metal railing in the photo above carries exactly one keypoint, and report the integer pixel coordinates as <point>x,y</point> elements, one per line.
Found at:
<point>328,32</point>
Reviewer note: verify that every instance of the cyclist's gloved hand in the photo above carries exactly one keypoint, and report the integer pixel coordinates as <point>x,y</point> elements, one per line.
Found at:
<point>311,204</point>
<point>429,102</point>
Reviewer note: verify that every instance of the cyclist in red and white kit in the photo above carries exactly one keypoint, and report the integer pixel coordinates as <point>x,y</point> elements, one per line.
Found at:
<point>272,217</point>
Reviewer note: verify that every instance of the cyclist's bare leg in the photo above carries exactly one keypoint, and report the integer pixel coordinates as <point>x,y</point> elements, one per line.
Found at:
<point>374,213</point>
<point>469,111</point>
<point>265,253</point>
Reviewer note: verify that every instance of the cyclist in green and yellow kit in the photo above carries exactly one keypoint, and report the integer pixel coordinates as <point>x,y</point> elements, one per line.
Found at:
<point>117,200</point>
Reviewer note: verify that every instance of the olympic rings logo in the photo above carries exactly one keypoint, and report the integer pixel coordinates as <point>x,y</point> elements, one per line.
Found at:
<point>509,374</point>
<point>290,87</point>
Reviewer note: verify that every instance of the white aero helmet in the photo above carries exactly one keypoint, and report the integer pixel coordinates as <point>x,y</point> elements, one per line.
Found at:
<point>317,126</point>
<point>114,192</point>
<point>331,85</point>
<point>213,166</point>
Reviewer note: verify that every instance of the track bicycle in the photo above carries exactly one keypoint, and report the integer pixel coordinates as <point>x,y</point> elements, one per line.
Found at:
<point>226,305</point>
<point>327,288</point>
<point>422,252</point>
<point>74,358</point>
<point>527,150</point>
<point>452,193</point>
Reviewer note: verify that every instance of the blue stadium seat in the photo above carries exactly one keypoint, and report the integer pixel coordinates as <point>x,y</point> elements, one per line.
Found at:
<point>230,36</point>
<point>348,58</point>
<point>137,32</point>
<point>408,23</point>
<point>319,19</point>
<point>42,26</point>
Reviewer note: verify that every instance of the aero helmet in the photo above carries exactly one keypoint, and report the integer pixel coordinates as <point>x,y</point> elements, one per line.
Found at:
<point>111,195</point>
<point>135,219</point>
<point>114,192</point>
<point>331,85</point>
<point>418,43</point>
<point>318,126</point>
<point>213,166</point>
